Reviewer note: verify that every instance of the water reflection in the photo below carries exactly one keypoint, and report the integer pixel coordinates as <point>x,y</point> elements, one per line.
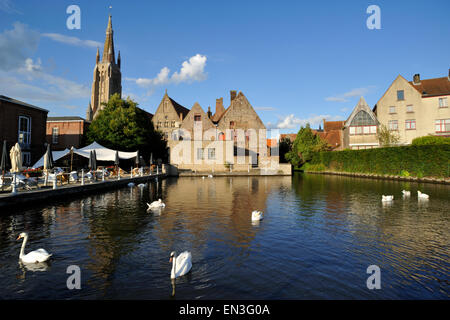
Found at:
<point>326,228</point>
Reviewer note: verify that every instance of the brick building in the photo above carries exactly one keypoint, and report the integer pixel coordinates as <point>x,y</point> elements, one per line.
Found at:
<point>65,132</point>
<point>203,141</point>
<point>24,123</point>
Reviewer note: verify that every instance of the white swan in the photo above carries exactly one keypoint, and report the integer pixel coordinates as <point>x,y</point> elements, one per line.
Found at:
<point>387,198</point>
<point>210,175</point>
<point>257,215</point>
<point>36,256</point>
<point>406,193</point>
<point>181,264</point>
<point>131,184</point>
<point>421,195</point>
<point>156,204</point>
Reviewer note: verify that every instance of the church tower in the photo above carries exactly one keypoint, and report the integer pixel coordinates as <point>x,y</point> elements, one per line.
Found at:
<point>107,76</point>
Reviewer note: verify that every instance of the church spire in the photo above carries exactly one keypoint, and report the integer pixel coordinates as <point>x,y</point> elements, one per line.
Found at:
<point>108,50</point>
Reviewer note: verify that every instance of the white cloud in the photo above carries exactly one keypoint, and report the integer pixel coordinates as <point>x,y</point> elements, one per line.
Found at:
<point>358,92</point>
<point>292,122</point>
<point>16,45</point>
<point>191,70</point>
<point>72,40</point>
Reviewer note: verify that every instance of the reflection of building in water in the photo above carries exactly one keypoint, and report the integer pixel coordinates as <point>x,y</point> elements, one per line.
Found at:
<point>220,205</point>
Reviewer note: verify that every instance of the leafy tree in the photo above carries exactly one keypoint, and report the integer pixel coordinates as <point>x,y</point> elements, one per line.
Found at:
<point>121,125</point>
<point>304,146</point>
<point>285,146</point>
<point>386,137</point>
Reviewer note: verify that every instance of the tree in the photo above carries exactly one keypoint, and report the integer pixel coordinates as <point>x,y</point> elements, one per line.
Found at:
<point>386,137</point>
<point>285,146</point>
<point>121,125</point>
<point>305,144</point>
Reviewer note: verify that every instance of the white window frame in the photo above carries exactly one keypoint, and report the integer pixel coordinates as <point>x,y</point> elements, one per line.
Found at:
<point>392,108</point>
<point>26,134</point>
<point>410,124</point>
<point>200,153</point>
<point>410,108</point>
<point>211,153</point>
<point>443,102</point>
<point>55,135</point>
<point>393,125</point>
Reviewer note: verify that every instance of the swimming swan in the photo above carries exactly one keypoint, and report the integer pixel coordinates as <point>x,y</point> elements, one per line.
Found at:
<point>406,193</point>
<point>181,264</point>
<point>257,215</point>
<point>421,195</point>
<point>387,198</point>
<point>156,204</point>
<point>36,256</point>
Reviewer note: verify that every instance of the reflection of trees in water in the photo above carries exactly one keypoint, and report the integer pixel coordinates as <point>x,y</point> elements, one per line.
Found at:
<point>407,230</point>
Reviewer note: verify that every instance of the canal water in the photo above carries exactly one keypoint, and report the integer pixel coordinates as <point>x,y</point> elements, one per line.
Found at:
<point>318,237</point>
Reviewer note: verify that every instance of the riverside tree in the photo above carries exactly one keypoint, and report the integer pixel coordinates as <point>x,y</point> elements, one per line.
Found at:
<point>121,125</point>
<point>386,137</point>
<point>304,146</point>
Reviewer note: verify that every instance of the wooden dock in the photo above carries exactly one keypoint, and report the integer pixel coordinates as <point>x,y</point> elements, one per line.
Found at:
<point>89,188</point>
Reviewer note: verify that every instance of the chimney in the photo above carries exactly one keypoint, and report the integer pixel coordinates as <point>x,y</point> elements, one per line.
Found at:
<point>416,79</point>
<point>232,95</point>
<point>219,105</point>
<point>209,112</point>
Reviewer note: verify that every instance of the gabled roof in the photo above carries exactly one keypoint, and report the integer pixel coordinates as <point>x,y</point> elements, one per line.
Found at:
<point>11,100</point>
<point>361,106</point>
<point>179,108</point>
<point>333,125</point>
<point>432,87</point>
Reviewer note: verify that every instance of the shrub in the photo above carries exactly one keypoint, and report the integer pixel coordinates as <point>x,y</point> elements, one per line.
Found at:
<point>430,140</point>
<point>415,160</point>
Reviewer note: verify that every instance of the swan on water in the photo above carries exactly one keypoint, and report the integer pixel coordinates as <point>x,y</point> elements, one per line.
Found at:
<point>387,198</point>
<point>181,264</point>
<point>406,193</point>
<point>156,204</point>
<point>257,215</point>
<point>421,195</point>
<point>210,175</point>
<point>36,256</point>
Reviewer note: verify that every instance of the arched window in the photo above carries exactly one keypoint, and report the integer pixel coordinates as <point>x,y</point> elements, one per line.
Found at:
<point>363,123</point>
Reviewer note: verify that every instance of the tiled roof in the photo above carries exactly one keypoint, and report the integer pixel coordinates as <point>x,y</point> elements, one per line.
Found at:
<point>332,125</point>
<point>433,87</point>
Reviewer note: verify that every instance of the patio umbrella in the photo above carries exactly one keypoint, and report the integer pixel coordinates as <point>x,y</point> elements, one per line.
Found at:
<point>151,158</point>
<point>48,158</point>
<point>4,158</point>
<point>116,160</point>
<point>94,158</point>
<point>16,158</point>
<point>137,159</point>
<point>91,160</point>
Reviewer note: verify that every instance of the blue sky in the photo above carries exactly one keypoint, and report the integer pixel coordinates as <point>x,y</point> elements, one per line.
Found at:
<point>296,61</point>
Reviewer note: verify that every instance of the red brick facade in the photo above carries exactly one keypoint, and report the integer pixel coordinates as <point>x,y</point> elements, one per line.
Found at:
<point>65,132</point>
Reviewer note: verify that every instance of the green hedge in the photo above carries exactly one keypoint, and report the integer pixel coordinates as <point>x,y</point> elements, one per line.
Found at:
<point>415,160</point>
<point>427,140</point>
